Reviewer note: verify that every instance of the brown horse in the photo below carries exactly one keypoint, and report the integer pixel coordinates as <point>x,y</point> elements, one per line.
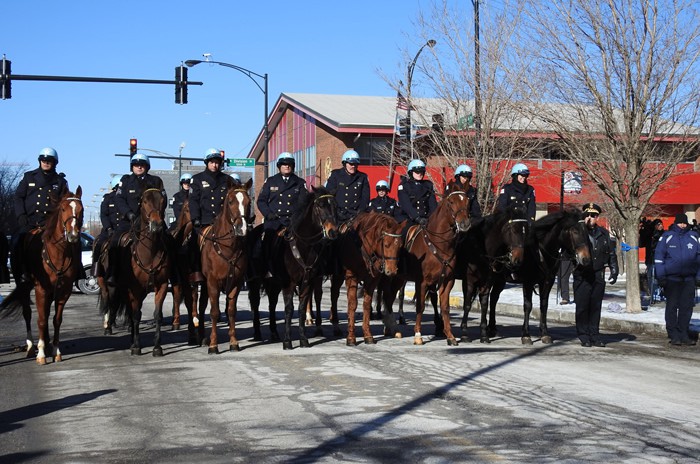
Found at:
<point>369,251</point>
<point>144,269</point>
<point>224,260</point>
<point>429,257</point>
<point>51,259</point>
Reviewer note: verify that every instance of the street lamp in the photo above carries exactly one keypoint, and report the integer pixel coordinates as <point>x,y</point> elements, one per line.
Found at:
<point>253,77</point>
<point>409,133</point>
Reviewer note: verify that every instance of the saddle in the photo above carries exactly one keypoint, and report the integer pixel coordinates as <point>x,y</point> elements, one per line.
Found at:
<point>411,235</point>
<point>200,239</point>
<point>125,239</point>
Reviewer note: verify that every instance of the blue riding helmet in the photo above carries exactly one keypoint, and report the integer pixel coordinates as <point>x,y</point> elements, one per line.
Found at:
<point>140,158</point>
<point>351,157</point>
<point>416,165</point>
<point>185,177</point>
<point>285,158</point>
<point>115,181</point>
<point>382,185</point>
<point>520,169</point>
<point>463,170</point>
<point>48,154</point>
<point>213,153</point>
<point>236,177</point>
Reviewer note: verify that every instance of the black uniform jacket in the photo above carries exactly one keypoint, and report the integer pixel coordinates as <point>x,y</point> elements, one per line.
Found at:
<point>386,205</point>
<point>278,199</point>
<point>515,194</point>
<point>129,192</point>
<point>109,214</point>
<point>416,199</point>
<point>32,197</point>
<point>603,254</point>
<point>351,192</point>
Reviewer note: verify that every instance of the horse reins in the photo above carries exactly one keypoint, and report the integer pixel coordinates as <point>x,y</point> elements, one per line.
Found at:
<point>44,253</point>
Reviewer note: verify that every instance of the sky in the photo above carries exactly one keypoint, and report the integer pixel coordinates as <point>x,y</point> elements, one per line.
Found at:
<point>304,47</point>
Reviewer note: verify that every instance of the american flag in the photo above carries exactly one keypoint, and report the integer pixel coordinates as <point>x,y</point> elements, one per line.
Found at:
<point>401,102</point>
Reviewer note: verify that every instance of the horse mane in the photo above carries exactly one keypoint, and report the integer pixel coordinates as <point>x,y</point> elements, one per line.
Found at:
<point>299,214</point>
<point>547,224</point>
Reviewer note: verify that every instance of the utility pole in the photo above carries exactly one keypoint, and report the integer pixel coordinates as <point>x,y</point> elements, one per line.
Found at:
<point>477,78</point>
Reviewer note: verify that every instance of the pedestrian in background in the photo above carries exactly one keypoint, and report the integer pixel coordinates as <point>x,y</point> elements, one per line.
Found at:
<point>589,281</point>
<point>677,263</point>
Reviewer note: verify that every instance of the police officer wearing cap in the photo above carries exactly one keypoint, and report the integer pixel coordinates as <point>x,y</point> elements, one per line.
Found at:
<point>128,200</point>
<point>32,201</point>
<point>463,178</point>
<point>181,196</point>
<point>350,187</point>
<point>416,195</point>
<point>518,193</point>
<point>207,194</point>
<point>589,281</point>
<point>382,203</point>
<point>280,194</point>
<point>110,218</point>
<point>677,264</point>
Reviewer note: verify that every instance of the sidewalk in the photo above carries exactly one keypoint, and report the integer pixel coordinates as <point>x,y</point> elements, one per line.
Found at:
<point>614,317</point>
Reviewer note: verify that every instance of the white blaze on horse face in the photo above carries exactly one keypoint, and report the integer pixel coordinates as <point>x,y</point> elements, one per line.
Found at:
<point>73,204</point>
<point>241,209</point>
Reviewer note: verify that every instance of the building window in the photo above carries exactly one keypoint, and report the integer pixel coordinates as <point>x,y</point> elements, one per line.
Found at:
<point>373,150</point>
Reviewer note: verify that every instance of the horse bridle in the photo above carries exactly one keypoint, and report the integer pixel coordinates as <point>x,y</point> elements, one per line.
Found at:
<point>323,232</point>
<point>45,253</point>
<point>507,258</point>
<point>137,238</point>
<point>373,258</point>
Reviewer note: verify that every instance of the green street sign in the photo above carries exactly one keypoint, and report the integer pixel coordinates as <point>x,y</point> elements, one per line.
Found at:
<point>241,162</point>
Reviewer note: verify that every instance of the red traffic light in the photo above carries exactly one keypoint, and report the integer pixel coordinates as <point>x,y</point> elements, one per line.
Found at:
<point>133,147</point>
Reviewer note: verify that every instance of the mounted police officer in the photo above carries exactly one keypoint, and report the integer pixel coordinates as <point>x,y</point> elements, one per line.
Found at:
<point>207,195</point>
<point>110,218</point>
<point>181,196</point>
<point>518,193</point>
<point>278,198</point>
<point>382,203</point>
<point>463,178</point>
<point>128,200</point>
<point>416,195</point>
<point>350,187</point>
<point>32,202</point>
<point>589,281</point>
<point>677,263</point>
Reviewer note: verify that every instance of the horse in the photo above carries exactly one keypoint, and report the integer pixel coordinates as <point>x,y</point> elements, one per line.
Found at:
<point>224,261</point>
<point>368,250</point>
<point>299,258</point>
<point>493,247</point>
<point>50,259</point>
<point>144,268</point>
<point>429,257</point>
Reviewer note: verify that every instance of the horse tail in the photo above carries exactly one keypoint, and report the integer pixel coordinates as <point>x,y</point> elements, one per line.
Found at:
<point>17,300</point>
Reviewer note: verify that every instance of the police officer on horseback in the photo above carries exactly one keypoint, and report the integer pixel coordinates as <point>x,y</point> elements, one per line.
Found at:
<point>463,178</point>
<point>518,193</point>
<point>416,195</point>
<point>110,218</point>
<point>32,203</point>
<point>350,187</point>
<point>180,197</point>
<point>382,203</point>
<point>128,201</point>
<point>207,195</point>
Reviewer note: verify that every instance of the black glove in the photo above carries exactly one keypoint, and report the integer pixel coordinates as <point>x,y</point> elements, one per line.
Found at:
<point>422,221</point>
<point>612,279</point>
<point>197,223</point>
<point>22,220</point>
<point>131,216</point>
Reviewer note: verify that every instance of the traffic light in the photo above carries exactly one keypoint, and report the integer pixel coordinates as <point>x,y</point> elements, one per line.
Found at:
<point>181,85</point>
<point>5,82</point>
<point>133,147</point>
<point>438,123</point>
<point>404,124</point>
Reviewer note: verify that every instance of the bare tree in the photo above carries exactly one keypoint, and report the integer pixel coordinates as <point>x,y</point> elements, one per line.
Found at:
<point>10,175</point>
<point>617,83</point>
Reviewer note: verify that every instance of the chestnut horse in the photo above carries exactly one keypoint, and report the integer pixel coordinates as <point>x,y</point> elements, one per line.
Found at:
<point>144,269</point>
<point>368,251</point>
<point>297,262</point>
<point>224,260</point>
<point>429,257</point>
<point>52,259</point>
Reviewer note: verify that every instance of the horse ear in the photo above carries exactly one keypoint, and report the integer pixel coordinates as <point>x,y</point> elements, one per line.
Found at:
<point>248,184</point>
<point>79,192</point>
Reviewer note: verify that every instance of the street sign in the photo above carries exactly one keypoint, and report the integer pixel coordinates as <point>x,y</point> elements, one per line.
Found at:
<point>241,162</point>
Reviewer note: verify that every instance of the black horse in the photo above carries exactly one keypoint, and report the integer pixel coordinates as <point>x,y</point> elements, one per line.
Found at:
<point>294,262</point>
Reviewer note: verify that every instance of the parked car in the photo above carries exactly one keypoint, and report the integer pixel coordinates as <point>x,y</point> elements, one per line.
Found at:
<point>89,284</point>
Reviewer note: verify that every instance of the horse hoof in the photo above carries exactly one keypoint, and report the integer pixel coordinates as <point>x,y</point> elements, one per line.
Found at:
<point>547,340</point>
<point>136,351</point>
<point>526,340</point>
<point>398,335</point>
<point>157,352</point>
<point>234,347</point>
<point>213,350</point>
<point>257,337</point>
<point>58,358</point>
<point>466,339</point>
<point>176,326</point>
<point>452,342</point>
<point>192,342</point>
<point>417,340</point>
<point>350,342</point>
<point>31,352</point>
<point>485,340</point>
<point>274,336</point>
<point>304,344</point>
<point>41,361</point>
<point>108,331</point>
<point>370,341</point>
<point>286,345</point>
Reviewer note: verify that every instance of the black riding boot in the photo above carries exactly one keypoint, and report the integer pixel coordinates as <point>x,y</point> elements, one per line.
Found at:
<point>113,267</point>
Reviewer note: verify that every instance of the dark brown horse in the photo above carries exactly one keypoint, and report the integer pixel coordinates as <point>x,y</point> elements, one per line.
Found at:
<point>144,268</point>
<point>224,260</point>
<point>51,259</point>
<point>429,257</point>
<point>369,252</point>
<point>297,260</point>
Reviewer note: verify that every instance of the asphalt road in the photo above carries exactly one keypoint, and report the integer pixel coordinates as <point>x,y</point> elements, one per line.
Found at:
<point>391,402</point>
